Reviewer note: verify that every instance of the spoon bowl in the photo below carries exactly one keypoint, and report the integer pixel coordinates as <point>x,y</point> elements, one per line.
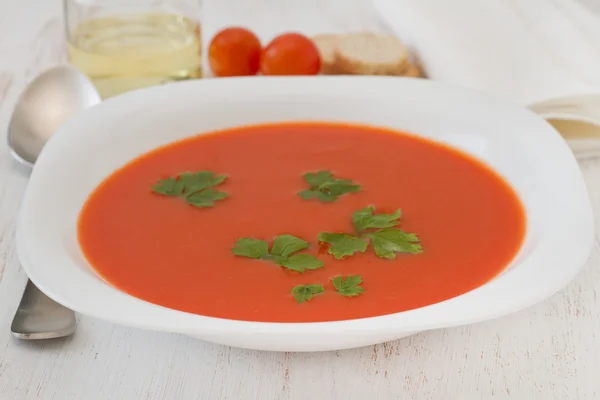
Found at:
<point>50,99</point>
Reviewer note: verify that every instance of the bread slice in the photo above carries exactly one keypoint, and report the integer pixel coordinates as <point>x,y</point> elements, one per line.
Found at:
<point>413,71</point>
<point>367,53</point>
<point>326,44</point>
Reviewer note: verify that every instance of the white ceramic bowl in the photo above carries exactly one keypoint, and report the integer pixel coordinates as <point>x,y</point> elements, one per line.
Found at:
<point>520,146</point>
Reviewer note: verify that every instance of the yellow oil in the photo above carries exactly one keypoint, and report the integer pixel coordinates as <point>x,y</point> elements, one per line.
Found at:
<point>127,52</point>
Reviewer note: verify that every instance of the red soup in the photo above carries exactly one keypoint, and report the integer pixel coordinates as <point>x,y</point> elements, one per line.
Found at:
<point>299,222</point>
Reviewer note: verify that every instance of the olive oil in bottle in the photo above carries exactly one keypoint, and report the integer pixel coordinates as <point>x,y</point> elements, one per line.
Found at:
<point>130,51</point>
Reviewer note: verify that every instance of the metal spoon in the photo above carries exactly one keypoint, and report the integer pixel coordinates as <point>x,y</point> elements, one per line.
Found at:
<point>50,100</point>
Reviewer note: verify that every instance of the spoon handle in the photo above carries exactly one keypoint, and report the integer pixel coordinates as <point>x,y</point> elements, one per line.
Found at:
<point>40,317</point>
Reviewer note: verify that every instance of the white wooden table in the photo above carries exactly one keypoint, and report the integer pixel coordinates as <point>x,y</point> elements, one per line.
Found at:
<point>549,351</point>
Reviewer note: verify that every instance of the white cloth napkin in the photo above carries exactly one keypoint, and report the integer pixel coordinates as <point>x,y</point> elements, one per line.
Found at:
<point>544,54</point>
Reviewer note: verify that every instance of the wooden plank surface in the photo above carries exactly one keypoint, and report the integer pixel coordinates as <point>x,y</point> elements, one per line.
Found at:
<point>549,351</point>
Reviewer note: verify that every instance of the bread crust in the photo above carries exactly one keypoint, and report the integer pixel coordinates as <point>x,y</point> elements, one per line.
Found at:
<point>413,71</point>
<point>327,43</point>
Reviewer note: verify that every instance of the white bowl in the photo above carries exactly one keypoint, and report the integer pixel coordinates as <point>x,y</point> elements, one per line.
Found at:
<point>523,148</point>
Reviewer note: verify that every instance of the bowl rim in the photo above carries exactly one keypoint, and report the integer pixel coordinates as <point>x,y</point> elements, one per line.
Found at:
<point>142,314</point>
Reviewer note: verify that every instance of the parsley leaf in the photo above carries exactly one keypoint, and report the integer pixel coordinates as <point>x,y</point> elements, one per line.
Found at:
<point>348,286</point>
<point>194,182</point>
<point>339,187</point>
<point>281,252</point>
<point>388,242</point>
<point>304,293</point>
<point>253,248</point>
<point>205,198</point>
<point>325,187</point>
<point>324,197</point>
<point>196,188</point>
<point>364,219</point>
<point>284,245</point>
<point>301,262</point>
<point>342,244</point>
<point>318,178</point>
<point>168,187</point>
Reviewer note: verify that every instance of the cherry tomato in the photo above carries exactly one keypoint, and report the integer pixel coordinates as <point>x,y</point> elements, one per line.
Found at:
<point>234,52</point>
<point>290,54</point>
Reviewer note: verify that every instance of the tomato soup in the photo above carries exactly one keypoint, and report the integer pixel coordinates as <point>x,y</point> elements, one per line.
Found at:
<point>177,251</point>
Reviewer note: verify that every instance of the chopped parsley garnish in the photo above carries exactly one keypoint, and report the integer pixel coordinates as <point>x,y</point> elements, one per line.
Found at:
<point>252,248</point>
<point>348,286</point>
<point>282,252</point>
<point>379,230</point>
<point>342,244</point>
<point>364,219</point>
<point>388,242</point>
<point>325,187</point>
<point>196,188</point>
<point>304,293</point>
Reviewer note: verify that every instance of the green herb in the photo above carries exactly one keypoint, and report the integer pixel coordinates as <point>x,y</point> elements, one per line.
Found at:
<point>169,187</point>
<point>284,245</point>
<point>282,252</point>
<point>348,286</point>
<point>200,180</point>
<point>342,244</point>
<point>301,262</point>
<point>325,187</point>
<point>386,240</point>
<point>196,188</point>
<point>364,219</point>
<point>253,248</point>
<point>304,293</point>
<point>205,198</point>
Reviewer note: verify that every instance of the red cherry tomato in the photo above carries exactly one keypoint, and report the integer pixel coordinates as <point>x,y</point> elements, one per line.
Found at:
<point>290,54</point>
<point>234,52</point>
